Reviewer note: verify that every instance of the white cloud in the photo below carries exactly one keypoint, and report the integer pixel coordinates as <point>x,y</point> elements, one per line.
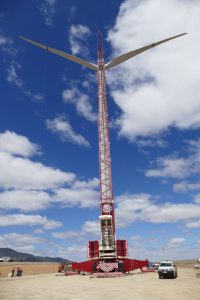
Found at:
<point>128,207</point>
<point>159,88</point>
<point>178,167</point>
<point>70,234</point>
<point>170,167</point>
<point>89,229</point>
<point>7,45</point>
<point>77,35</point>
<point>13,77</point>
<point>21,242</point>
<point>63,128</point>
<point>133,207</point>
<point>174,242</point>
<point>22,173</point>
<point>4,40</point>
<point>38,231</point>
<point>81,102</point>
<point>28,220</point>
<point>174,248</point>
<point>48,9</point>
<point>151,143</point>
<point>195,224</point>
<point>16,144</point>
<point>74,252</point>
<point>91,183</point>
<point>28,185</point>
<point>79,194</point>
<point>185,186</point>
<point>35,97</point>
<point>24,200</point>
<point>197,199</point>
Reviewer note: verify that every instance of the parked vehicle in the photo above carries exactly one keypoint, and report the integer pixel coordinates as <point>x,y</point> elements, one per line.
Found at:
<point>167,270</point>
<point>5,259</point>
<point>155,266</point>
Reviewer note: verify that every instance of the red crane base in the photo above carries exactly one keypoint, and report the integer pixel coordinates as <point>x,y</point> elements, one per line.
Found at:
<point>123,265</point>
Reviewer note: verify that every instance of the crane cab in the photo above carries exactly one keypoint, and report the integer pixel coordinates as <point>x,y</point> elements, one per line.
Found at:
<point>107,247</point>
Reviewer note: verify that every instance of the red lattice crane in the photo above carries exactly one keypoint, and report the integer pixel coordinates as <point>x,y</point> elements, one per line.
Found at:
<point>107,255</point>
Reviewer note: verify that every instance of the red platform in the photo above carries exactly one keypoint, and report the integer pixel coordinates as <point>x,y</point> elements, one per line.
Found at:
<point>125,265</point>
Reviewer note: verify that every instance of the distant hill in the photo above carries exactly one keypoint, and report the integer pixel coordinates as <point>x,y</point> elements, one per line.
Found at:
<point>19,256</point>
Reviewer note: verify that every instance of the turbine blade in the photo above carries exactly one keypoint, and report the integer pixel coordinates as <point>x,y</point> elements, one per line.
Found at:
<point>63,54</point>
<point>118,60</point>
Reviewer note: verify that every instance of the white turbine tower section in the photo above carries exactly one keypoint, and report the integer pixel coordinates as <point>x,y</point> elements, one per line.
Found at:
<point>107,245</point>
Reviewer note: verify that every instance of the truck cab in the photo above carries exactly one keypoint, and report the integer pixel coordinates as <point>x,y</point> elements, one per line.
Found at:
<point>167,269</point>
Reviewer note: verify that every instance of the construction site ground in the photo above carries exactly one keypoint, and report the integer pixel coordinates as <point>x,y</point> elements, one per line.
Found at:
<point>46,284</point>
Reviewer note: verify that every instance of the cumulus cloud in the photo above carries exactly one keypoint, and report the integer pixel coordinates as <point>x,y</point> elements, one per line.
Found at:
<point>186,186</point>
<point>61,126</point>
<point>21,242</point>
<point>69,234</point>
<point>28,220</point>
<point>174,242</point>
<point>17,144</point>
<point>159,88</point>
<point>81,102</point>
<point>170,167</point>
<point>25,200</point>
<point>89,229</point>
<point>162,248</point>
<point>77,36</point>
<point>22,173</point>
<point>28,185</point>
<point>195,224</point>
<point>179,167</point>
<point>143,207</point>
<point>82,194</point>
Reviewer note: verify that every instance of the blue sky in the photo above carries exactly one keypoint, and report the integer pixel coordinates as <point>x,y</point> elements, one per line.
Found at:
<point>49,187</point>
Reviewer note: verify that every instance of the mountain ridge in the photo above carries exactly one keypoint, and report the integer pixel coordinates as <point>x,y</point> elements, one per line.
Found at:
<point>26,257</point>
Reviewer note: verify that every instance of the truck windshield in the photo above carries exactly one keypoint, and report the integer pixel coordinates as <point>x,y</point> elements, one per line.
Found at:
<point>165,265</point>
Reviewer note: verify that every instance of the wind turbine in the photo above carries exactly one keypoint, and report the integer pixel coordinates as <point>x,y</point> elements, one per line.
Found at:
<point>106,253</point>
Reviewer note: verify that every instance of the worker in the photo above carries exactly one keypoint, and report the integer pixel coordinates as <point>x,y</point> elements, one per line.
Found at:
<point>20,271</point>
<point>13,272</point>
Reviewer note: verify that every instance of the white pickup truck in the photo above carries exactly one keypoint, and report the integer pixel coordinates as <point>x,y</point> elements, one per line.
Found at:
<point>167,269</point>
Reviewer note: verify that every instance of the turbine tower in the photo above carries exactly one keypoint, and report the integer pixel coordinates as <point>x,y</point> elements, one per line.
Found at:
<point>108,254</point>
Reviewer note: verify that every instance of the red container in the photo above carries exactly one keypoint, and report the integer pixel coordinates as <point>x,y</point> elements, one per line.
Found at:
<point>93,249</point>
<point>122,248</point>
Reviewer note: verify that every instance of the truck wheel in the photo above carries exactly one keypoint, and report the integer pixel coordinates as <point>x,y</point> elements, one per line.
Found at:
<point>160,277</point>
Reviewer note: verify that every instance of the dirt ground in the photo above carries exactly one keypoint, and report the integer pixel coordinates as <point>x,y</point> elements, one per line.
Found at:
<point>137,286</point>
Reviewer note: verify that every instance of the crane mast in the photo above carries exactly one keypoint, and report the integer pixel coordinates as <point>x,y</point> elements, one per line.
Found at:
<point>107,255</point>
<point>107,247</point>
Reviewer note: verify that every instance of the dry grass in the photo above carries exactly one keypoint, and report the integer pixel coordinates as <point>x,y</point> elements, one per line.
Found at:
<point>186,263</point>
<point>28,268</point>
